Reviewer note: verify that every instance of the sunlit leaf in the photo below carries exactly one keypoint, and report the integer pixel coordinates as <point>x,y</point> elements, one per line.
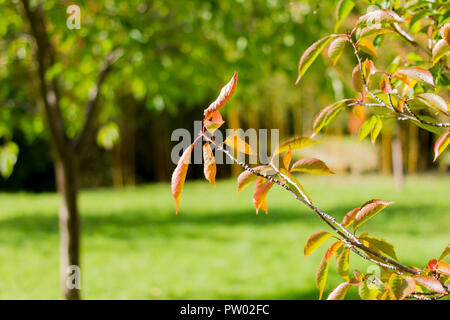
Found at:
<point>235,142</point>
<point>376,129</point>
<point>8,158</point>
<point>224,96</point>
<point>321,275</point>
<point>339,292</point>
<point>430,283</point>
<point>327,114</point>
<point>246,177</point>
<point>443,267</point>
<point>379,244</point>
<point>179,174</point>
<point>262,186</point>
<point>311,54</point>
<point>441,143</point>
<point>209,164</point>
<point>297,188</point>
<point>373,30</point>
<point>368,291</point>
<point>215,122</point>
<point>343,262</point>
<point>287,159</point>
<point>357,79</point>
<point>401,286</point>
<point>314,241</point>
<point>366,46</point>
<point>367,128</point>
<point>380,16</point>
<point>446,252</point>
<point>336,48</point>
<point>416,73</point>
<point>294,144</point>
<point>368,210</point>
<point>311,165</point>
<point>433,101</point>
<point>440,49</point>
<point>343,9</point>
<point>349,217</point>
<point>445,32</point>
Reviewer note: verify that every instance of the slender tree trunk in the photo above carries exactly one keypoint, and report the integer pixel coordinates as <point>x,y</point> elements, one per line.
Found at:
<point>69,227</point>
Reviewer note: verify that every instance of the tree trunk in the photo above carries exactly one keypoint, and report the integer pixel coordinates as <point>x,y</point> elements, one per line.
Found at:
<point>66,172</point>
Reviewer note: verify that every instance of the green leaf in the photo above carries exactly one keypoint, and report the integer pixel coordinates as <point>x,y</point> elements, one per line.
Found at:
<point>339,292</point>
<point>297,188</point>
<point>321,275</point>
<point>433,101</point>
<point>295,143</point>
<point>368,210</point>
<point>327,114</point>
<point>367,127</point>
<point>376,129</point>
<point>336,48</point>
<point>379,244</point>
<point>368,291</point>
<point>108,135</point>
<point>401,287</point>
<point>343,9</point>
<point>446,252</point>
<point>311,165</point>
<point>343,262</point>
<point>311,54</point>
<point>8,158</point>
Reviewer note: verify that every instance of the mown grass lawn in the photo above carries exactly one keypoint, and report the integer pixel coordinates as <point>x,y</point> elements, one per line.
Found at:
<point>135,247</point>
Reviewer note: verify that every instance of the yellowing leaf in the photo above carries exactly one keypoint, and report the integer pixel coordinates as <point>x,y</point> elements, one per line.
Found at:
<point>366,46</point>
<point>215,122</point>
<point>357,79</point>
<point>311,165</point>
<point>349,217</point>
<point>368,210</point>
<point>321,275</point>
<point>297,188</point>
<point>374,30</point>
<point>440,49</point>
<point>238,144</point>
<point>430,283</point>
<point>343,262</point>
<point>262,186</point>
<point>336,48</point>
<point>310,55</point>
<point>400,287</point>
<point>287,159</point>
<point>179,174</point>
<point>443,267</point>
<point>339,292</point>
<point>326,115</point>
<point>379,244</point>
<point>441,144</point>
<point>295,143</point>
<point>445,32</point>
<point>445,252</point>
<point>246,177</point>
<point>376,129</point>
<point>416,73</point>
<point>368,291</point>
<point>314,241</point>
<point>224,96</point>
<point>433,101</point>
<point>209,164</point>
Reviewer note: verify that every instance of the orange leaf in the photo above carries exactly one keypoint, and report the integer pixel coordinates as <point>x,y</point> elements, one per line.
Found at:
<point>215,122</point>
<point>311,165</point>
<point>246,177</point>
<point>179,174</point>
<point>224,96</point>
<point>349,217</point>
<point>262,186</point>
<point>367,46</point>
<point>443,267</point>
<point>287,159</point>
<point>441,144</point>
<point>416,73</point>
<point>209,164</point>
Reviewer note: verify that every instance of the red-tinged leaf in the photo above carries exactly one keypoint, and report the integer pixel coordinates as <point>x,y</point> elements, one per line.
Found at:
<point>385,86</point>
<point>327,114</point>
<point>445,32</point>
<point>368,210</point>
<point>374,30</point>
<point>321,275</point>
<point>446,252</point>
<point>380,16</point>
<point>209,164</point>
<point>262,186</point>
<point>356,79</point>
<point>215,122</point>
<point>433,101</point>
<point>379,244</point>
<point>368,291</point>
<point>430,283</point>
<point>349,217</point>
<point>311,165</point>
<point>287,159</point>
<point>311,54</point>
<point>295,143</point>
<point>235,142</point>
<point>440,49</point>
<point>179,174</point>
<point>336,48</point>
<point>441,143</point>
<point>333,249</point>
<point>246,177</point>
<point>400,287</point>
<point>224,96</point>
<point>343,262</point>
<point>443,267</point>
<point>339,292</point>
<point>416,73</point>
<point>366,46</point>
<point>432,264</point>
<point>314,241</point>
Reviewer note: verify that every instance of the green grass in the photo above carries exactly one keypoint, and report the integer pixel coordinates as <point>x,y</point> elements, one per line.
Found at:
<point>135,247</point>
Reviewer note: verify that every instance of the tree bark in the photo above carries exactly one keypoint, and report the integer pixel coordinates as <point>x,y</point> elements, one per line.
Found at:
<point>66,172</point>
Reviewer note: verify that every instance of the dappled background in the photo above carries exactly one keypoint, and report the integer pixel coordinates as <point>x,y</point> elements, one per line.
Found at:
<point>176,55</point>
